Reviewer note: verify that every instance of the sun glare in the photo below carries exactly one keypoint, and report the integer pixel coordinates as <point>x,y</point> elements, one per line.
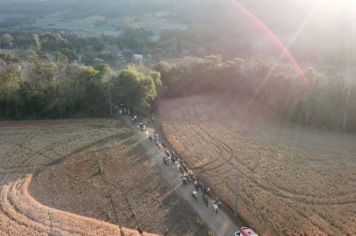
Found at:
<point>331,7</point>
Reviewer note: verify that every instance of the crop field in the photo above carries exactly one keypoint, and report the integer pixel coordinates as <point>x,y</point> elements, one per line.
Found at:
<point>84,177</point>
<point>292,180</point>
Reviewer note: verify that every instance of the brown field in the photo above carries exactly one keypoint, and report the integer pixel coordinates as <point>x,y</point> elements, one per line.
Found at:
<point>293,180</point>
<point>84,177</point>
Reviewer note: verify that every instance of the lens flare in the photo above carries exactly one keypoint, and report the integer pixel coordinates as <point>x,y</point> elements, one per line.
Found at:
<point>276,41</point>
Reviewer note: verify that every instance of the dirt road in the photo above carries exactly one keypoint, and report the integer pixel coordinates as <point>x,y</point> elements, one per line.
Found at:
<point>220,223</point>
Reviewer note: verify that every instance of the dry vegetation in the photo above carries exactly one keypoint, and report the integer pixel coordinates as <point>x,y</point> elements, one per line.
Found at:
<point>294,181</point>
<point>83,177</point>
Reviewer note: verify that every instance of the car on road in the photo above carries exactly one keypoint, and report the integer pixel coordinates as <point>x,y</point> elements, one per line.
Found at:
<point>244,231</point>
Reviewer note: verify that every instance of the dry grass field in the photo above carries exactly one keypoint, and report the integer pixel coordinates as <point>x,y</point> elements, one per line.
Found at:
<point>84,177</point>
<point>293,180</point>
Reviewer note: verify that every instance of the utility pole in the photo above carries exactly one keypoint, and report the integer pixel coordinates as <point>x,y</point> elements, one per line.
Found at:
<point>347,99</point>
<point>237,193</point>
<point>110,100</point>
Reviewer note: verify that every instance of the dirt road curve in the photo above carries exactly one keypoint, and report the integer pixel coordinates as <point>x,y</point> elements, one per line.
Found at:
<point>220,223</point>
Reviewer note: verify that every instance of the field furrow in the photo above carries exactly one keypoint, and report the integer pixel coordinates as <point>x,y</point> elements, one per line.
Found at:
<point>289,176</point>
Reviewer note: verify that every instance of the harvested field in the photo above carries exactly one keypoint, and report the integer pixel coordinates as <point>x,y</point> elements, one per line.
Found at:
<point>84,177</point>
<point>293,180</point>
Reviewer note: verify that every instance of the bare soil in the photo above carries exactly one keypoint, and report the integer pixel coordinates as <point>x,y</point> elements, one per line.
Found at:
<point>293,180</point>
<point>84,177</point>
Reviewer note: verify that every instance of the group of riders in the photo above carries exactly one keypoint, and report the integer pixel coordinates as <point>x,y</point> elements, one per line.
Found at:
<point>171,158</point>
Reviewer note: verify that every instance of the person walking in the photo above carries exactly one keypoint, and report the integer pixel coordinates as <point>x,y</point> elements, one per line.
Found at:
<point>173,159</point>
<point>190,173</point>
<point>156,136</point>
<point>206,190</point>
<point>196,185</point>
<point>205,199</point>
<point>191,179</point>
<point>177,163</point>
<point>158,145</point>
<point>195,195</point>
<point>184,180</point>
<point>215,207</point>
<point>165,160</point>
<point>181,170</point>
<point>184,166</point>
<point>168,159</point>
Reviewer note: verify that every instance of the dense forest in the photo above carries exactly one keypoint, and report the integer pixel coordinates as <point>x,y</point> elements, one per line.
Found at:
<point>42,89</point>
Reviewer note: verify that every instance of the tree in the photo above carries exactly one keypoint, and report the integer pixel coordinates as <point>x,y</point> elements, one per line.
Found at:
<point>156,77</point>
<point>103,69</point>
<point>130,25</point>
<point>134,37</point>
<point>310,94</point>
<point>53,42</point>
<point>7,40</point>
<point>10,81</point>
<point>37,42</point>
<point>133,88</point>
<point>164,69</point>
<point>8,57</point>
<point>351,113</point>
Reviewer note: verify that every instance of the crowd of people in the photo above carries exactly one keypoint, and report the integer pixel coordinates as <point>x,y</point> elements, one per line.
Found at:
<point>171,158</point>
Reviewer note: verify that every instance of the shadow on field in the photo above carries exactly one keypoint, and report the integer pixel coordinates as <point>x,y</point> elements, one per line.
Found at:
<point>113,180</point>
<point>99,142</point>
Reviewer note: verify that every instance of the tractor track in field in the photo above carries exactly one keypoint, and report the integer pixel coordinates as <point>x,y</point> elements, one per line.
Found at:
<point>23,210</point>
<point>220,147</point>
<point>227,161</point>
<point>304,199</point>
<point>21,214</point>
<point>253,155</point>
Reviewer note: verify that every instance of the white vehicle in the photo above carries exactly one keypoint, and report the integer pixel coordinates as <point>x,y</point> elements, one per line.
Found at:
<point>244,231</point>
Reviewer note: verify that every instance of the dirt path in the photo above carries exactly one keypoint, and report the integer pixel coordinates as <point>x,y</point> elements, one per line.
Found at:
<point>220,223</point>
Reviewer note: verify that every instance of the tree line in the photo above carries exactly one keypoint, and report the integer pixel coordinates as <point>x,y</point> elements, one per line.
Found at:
<point>308,98</point>
<point>42,89</point>
<point>37,88</point>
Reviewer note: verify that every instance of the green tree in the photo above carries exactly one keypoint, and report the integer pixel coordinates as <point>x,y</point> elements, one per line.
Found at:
<point>156,77</point>
<point>130,25</point>
<point>164,69</point>
<point>8,57</point>
<point>104,69</point>
<point>133,88</point>
<point>10,81</point>
<point>37,42</point>
<point>6,40</point>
